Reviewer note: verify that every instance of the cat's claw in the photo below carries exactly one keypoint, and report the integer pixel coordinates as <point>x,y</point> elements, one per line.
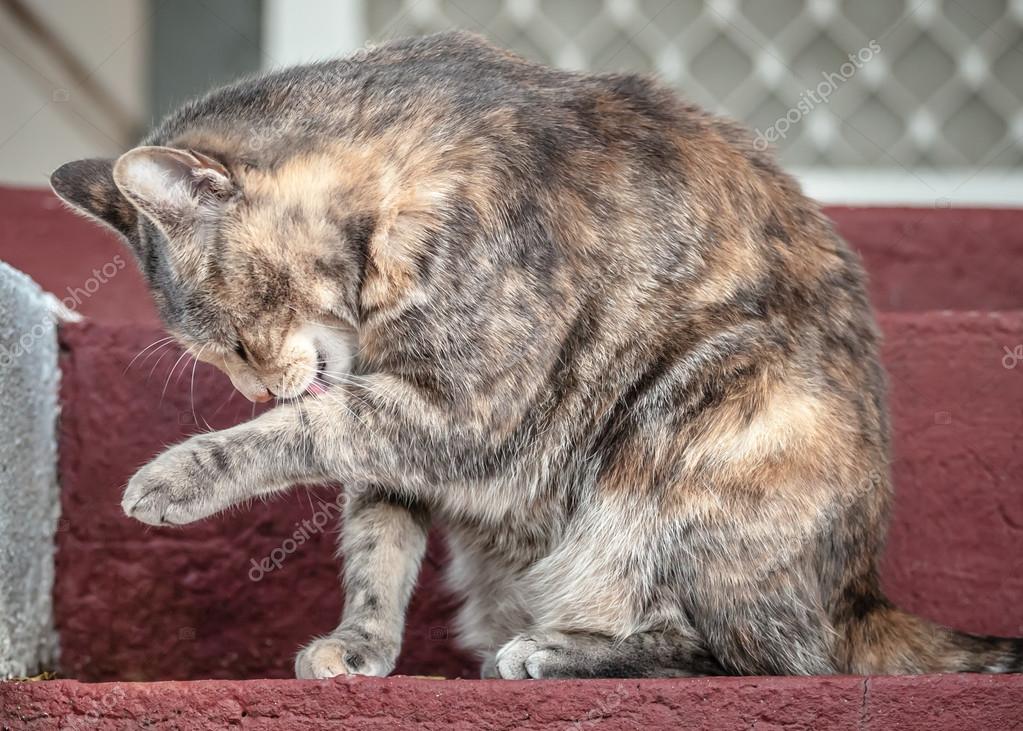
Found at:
<point>154,504</point>
<point>165,492</point>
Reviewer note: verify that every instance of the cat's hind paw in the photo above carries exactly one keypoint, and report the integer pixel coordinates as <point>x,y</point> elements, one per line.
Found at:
<point>550,655</point>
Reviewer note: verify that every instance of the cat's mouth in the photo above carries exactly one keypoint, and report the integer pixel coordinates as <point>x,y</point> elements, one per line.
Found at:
<point>319,384</point>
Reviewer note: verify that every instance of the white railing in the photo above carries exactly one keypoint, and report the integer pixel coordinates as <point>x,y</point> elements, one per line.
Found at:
<point>868,100</point>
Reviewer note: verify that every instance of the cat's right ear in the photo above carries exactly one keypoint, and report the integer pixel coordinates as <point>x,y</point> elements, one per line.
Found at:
<point>177,189</point>
<point>88,187</point>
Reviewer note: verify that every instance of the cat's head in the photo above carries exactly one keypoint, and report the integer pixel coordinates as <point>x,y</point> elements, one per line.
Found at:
<point>253,271</point>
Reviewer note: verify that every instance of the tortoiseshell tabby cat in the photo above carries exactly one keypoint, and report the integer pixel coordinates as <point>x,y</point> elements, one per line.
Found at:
<point>584,326</point>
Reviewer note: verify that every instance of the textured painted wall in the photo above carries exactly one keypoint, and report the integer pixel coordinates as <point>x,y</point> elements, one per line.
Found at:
<point>47,118</point>
<point>136,602</point>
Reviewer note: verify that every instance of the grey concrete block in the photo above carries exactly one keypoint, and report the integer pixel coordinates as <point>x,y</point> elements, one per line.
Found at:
<point>29,496</point>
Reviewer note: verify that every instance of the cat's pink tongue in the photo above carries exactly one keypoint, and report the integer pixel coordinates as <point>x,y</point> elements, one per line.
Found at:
<point>315,389</point>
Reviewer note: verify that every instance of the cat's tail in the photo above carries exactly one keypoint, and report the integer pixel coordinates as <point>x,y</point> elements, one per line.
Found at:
<point>882,639</point>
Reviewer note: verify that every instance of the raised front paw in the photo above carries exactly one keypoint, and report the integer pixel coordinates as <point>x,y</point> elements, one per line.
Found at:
<point>173,489</point>
<point>344,654</point>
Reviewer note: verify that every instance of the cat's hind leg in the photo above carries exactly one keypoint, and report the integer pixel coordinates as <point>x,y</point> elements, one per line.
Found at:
<point>651,654</point>
<point>383,544</point>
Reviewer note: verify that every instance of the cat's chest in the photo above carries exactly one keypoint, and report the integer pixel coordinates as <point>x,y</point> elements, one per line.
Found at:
<point>505,521</point>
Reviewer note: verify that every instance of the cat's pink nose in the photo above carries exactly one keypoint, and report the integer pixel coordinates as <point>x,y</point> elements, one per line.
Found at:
<point>262,397</point>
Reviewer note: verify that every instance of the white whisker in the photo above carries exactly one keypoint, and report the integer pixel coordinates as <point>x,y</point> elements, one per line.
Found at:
<point>160,342</point>
<point>173,367</point>
<point>157,363</point>
<point>223,403</point>
<point>191,388</point>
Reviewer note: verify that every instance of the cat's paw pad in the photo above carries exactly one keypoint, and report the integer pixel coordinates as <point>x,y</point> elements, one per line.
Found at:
<point>329,657</point>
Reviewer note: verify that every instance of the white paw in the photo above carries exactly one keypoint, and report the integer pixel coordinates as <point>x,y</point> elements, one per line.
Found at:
<point>539,656</point>
<point>514,660</point>
<point>329,657</point>
<point>170,490</point>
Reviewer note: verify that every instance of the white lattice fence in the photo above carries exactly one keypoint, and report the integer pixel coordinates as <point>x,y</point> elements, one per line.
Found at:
<point>931,84</point>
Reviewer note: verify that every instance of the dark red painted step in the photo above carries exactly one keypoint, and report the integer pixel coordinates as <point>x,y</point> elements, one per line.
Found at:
<point>918,258</point>
<point>139,603</point>
<point>925,703</point>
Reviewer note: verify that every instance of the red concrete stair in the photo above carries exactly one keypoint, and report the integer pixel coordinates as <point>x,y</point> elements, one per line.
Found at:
<point>959,702</point>
<point>138,604</point>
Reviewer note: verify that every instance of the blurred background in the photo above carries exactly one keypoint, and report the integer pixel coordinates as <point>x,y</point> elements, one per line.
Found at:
<point>880,101</point>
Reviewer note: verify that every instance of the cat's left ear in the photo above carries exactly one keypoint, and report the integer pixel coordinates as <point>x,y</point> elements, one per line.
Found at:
<point>88,187</point>
<point>177,189</point>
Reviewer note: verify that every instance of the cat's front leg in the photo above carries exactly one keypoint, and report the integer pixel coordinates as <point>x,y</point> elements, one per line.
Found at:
<point>211,472</point>
<point>383,543</point>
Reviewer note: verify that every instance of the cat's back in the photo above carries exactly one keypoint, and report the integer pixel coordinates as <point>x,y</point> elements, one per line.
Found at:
<point>617,167</point>
<point>457,73</point>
